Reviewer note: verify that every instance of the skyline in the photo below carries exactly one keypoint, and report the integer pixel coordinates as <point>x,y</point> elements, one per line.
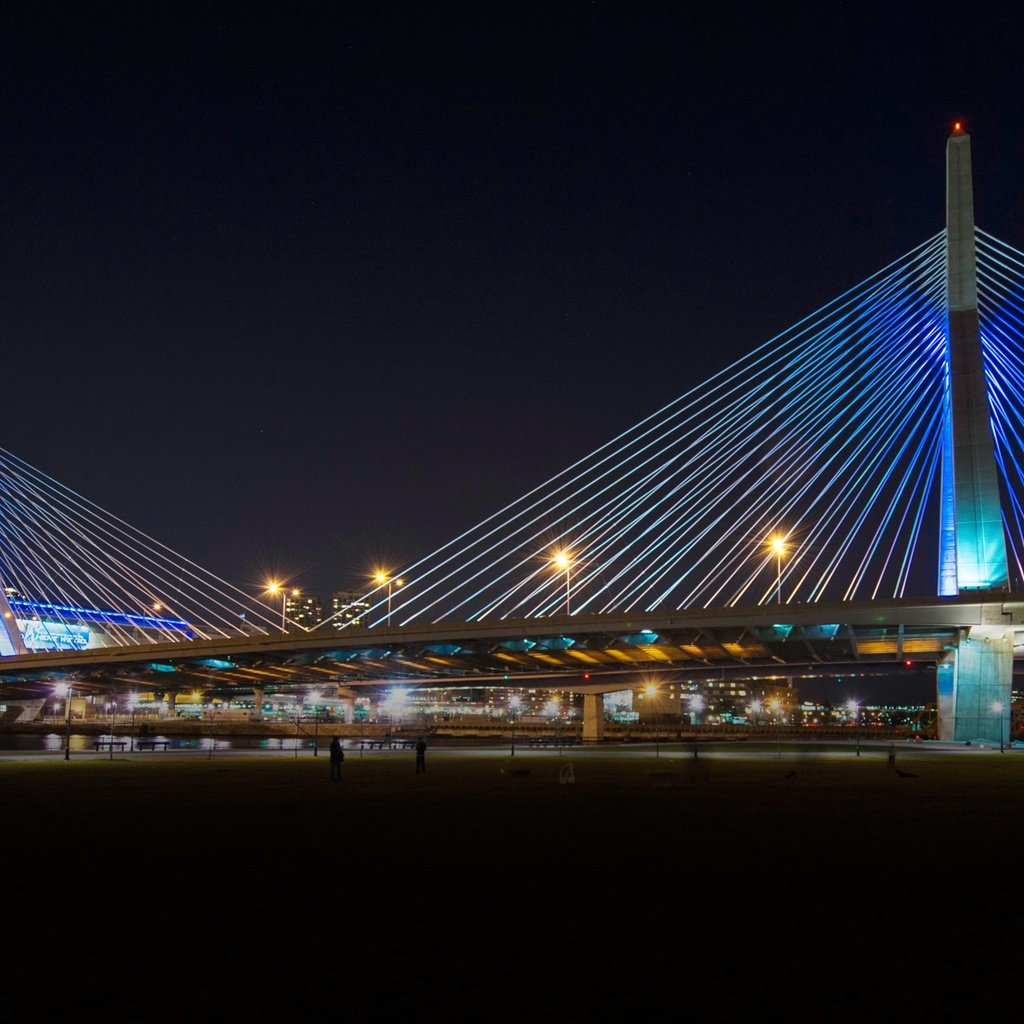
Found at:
<point>305,297</point>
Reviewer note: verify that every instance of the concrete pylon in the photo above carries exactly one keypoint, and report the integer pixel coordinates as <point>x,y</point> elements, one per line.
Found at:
<point>973,680</point>
<point>974,687</point>
<point>347,700</point>
<point>980,547</point>
<point>593,717</point>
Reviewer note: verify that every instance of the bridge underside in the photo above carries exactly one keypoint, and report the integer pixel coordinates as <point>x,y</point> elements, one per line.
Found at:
<point>578,653</point>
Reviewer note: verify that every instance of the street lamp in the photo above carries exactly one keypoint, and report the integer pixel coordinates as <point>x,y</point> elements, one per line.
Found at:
<point>775,706</point>
<point>755,708</point>
<point>997,710</point>
<point>65,690</point>
<point>133,699</point>
<point>778,545</point>
<point>380,577</point>
<point>853,709</point>
<point>562,561</point>
<point>113,712</point>
<point>394,705</point>
<point>696,707</point>
<point>273,589</point>
<point>650,692</point>
<point>316,698</point>
<point>513,707</point>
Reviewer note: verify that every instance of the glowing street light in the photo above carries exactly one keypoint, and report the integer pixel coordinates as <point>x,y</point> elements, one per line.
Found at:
<point>997,710</point>
<point>380,577</point>
<point>514,703</point>
<point>562,561</point>
<point>778,546</point>
<point>395,705</point>
<point>697,703</point>
<point>853,708</point>
<point>775,707</point>
<point>64,690</point>
<point>133,700</point>
<point>650,692</point>
<point>112,705</point>
<point>273,589</point>
<point>316,697</point>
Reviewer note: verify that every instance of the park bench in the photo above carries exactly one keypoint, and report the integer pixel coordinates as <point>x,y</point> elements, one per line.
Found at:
<point>109,744</point>
<point>151,744</point>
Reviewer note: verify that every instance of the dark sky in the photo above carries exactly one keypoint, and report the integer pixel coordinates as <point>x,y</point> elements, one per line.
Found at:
<point>305,289</point>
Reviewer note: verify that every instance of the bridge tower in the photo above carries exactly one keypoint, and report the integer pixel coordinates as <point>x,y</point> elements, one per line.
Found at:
<point>974,681</point>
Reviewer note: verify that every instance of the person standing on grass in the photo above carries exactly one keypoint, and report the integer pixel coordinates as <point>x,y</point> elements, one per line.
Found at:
<point>421,756</point>
<point>337,757</point>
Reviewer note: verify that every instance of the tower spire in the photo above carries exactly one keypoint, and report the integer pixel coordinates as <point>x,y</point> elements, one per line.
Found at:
<point>972,502</point>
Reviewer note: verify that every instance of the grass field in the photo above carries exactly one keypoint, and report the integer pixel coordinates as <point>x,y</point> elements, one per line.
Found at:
<point>815,884</point>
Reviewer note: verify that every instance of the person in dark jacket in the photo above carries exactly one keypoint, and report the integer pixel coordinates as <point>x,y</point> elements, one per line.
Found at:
<point>421,756</point>
<point>337,756</point>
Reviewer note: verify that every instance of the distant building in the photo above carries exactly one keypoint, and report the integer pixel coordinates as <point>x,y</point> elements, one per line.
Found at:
<point>348,608</point>
<point>304,609</point>
<point>716,701</point>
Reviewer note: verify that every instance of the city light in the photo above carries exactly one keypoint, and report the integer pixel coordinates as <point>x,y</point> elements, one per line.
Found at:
<point>273,588</point>
<point>997,710</point>
<point>64,690</point>
<point>563,562</point>
<point>380,577</point>
<point>853,709</point>
<point>779,547</point>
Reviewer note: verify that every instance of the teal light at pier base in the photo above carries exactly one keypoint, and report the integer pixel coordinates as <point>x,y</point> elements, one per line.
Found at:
<point>974,687</point>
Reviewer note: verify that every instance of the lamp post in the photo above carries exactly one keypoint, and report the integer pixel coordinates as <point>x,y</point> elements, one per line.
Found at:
<point>778,545</point>
<point>562,561</point>
<point>273,589</point>
<point>380,577</point>
<point>315,698</point>
<point>650,692</point>
<point>133,699</point>
<point>775,706</point>
<point>65,690</point>
<point>513,707</point>
<point>854,709</point>
<point>696,707</point>
<point>113,713</point>
<point>997,709</point>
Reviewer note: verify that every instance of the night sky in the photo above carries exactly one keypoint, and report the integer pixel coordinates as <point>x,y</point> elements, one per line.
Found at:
<point>305,290</point>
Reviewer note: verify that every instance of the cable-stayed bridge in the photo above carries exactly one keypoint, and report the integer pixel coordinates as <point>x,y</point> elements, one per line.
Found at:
<point>848,494</point>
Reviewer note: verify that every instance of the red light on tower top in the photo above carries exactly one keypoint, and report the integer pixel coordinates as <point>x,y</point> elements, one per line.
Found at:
<point>957,126</point>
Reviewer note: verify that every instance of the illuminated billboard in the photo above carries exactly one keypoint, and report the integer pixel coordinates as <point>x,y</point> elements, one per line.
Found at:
<point>43,635</point>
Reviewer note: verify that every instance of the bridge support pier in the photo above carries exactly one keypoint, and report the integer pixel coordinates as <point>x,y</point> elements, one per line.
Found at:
<point>347,700</point>
<point>257,703</point>
<point>171,697</point>
<point>973,685</point>
<point>593,717</point>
